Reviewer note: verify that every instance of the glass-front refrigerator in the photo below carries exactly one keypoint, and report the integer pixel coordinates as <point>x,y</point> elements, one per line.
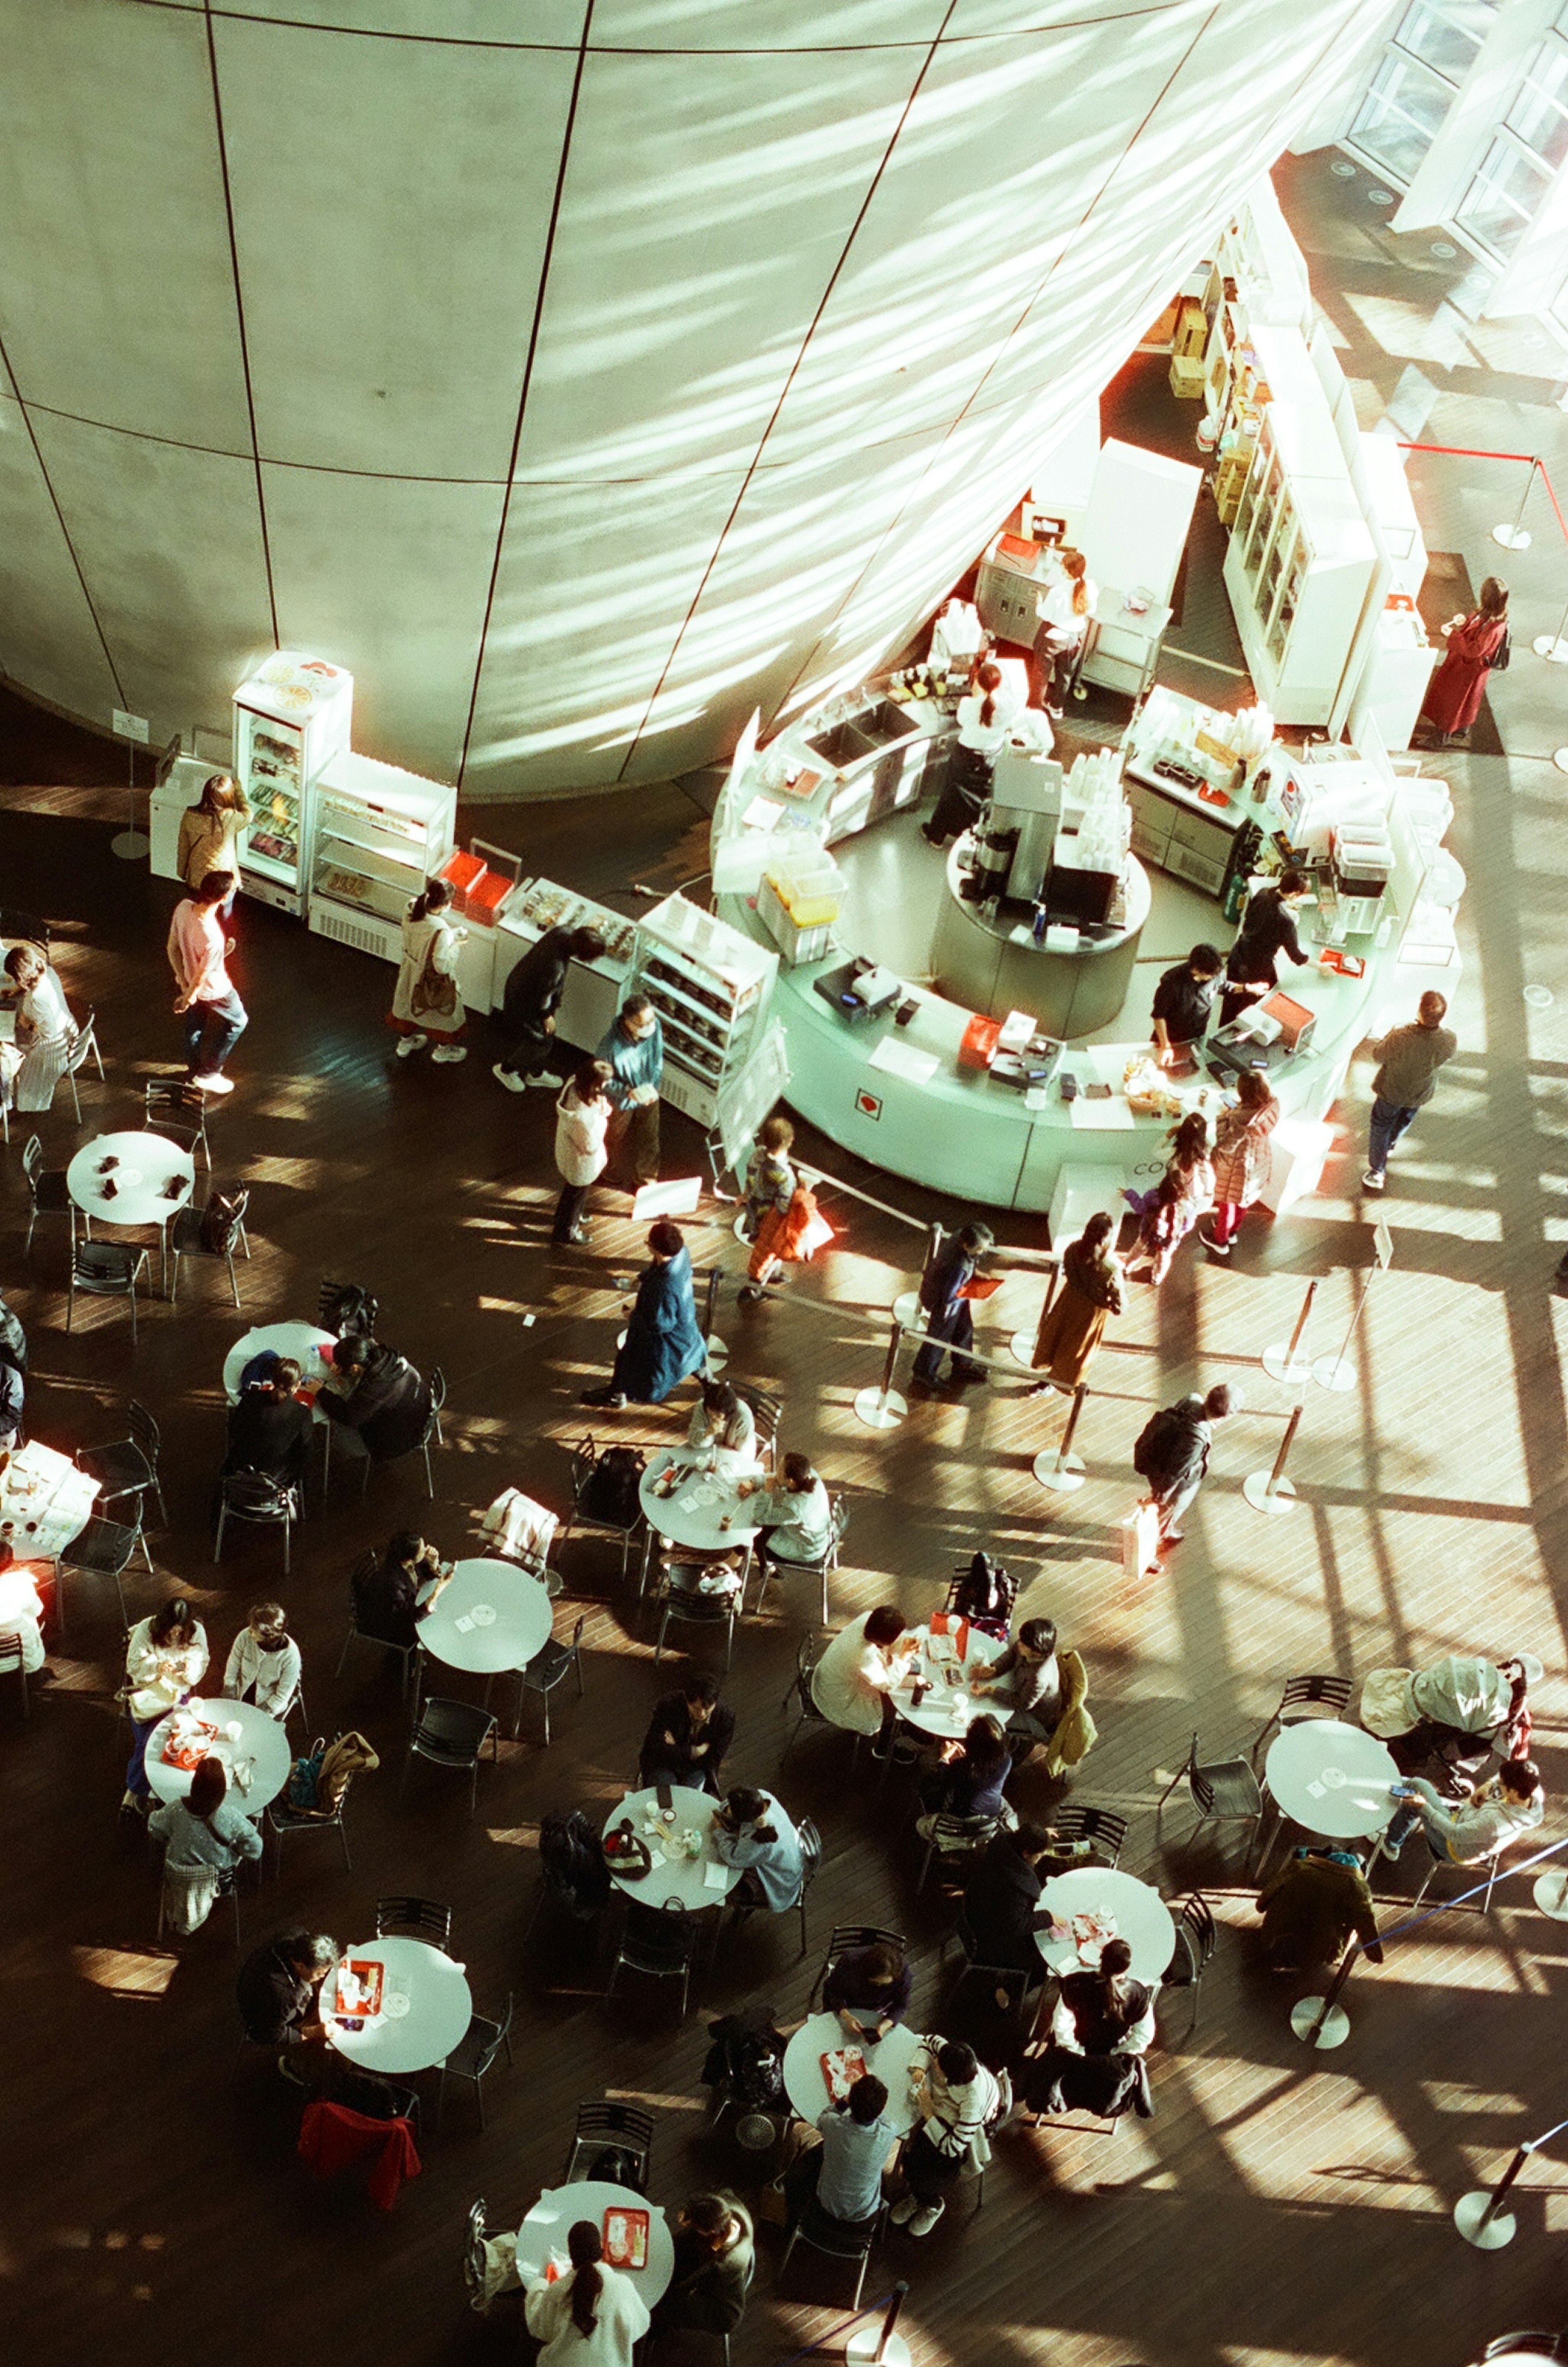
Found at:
<point>378,835</point>
<point>291,717</point>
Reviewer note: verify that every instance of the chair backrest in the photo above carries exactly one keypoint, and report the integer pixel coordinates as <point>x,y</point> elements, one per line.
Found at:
<point>493,2044</point>
<point>425,1919</point>
<point>658,1939</point>
<point>846,1936</point>
<point>576,1643</point>
<point>767,1410</point>
<point>808,1652</point>
<point>1196,1930</point>
<point>474,2261</point>
<point>437,1388</point>
<point>223,1238</point>
<point>109,1266</point>
<point>703,1610</point>
<point>1329,1692</point>
<point>32,1159</point>
<point>452,1726</point>
<point>964,1832</point>
<point>840,1511</point>
<point>625,2121</point>
<point>23,925</point>
<point>837,2238</point>
<point>144,1431</point>
<point>254,1496</point>
<point>1101,1827</point>
<point>810,1841</point>
<point>10,1654</point>
<point>81,1051</point>
<point>1538,2345</point>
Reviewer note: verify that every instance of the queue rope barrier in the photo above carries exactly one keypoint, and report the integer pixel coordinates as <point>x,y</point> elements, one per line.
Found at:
<point>1280,1362</point>
<point>1480,2216</point>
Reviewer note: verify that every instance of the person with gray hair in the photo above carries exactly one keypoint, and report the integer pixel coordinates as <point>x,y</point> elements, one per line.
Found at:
<point>278,1993</point>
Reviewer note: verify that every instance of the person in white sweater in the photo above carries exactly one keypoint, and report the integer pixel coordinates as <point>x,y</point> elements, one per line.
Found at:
<point>852,1682</point>
<point>263,1662</point>
<point>582,1119</point>
<point>165,1659</point>
<point>592,2316</point>
<point>206,1841</point>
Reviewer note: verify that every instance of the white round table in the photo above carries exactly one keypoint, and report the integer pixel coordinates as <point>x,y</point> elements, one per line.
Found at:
<point>146,1164</point>
<point>1331,1779</point>
<point>1139,1913</point>
<point>693,1514</point>
<point>493,1616</point>
<point>889,2058</point>
<point>949,1710</point>
<point>559,2208</point>
<point>261,1745</point>
<point>403,2037</point>
<point>680,1878</point>
<point>309,1346</point>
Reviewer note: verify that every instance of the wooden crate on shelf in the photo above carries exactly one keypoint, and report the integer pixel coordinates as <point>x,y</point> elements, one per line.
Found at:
<point>1187,376</point>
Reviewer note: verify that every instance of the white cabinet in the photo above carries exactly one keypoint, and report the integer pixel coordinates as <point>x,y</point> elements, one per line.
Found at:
<point>711,986</point>
<point>1299,564</point>
<point>379,834</point>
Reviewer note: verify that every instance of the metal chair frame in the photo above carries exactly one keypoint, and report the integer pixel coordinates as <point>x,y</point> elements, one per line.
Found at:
<point>678,1935</point>
<point>1206,1785</point>
<point>1197,1937</point>
<point>584,1458</point>
<point>487,2038</point>
<point>407,1654</point>
<point>105,1270</point>
<point>181,1112</point>
<point>687,1607</point>
<point>545,1670</point>
<point>282,1820</point>
<point>188,1223</point>
<point>144,1442</point>
<point>822,1567</point>
<point>425,1741</point>
<point>843,1939</point>
<point>84,1048</point>
<point>277,1508</point>
<point>966,1837</point>
<point>14,1664</point>
<point>1000,1976</point>
<point>41,1181</point>
<point>1101,1827</point>
<point>815,2231</point>
<point>416,1919</point>
<point>1303,1698</point>
<point>107,1546</point>
<point>603,2123</point>
<point>229,1891</point>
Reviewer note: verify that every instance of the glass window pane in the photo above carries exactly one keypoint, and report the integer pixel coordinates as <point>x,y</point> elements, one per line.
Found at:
<point>1446,36</point>
<point>1540,113</point>
<point>1400,115</point>
<point>1501,202</point>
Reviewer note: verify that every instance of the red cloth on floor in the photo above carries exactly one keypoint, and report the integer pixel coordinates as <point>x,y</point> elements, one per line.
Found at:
<point>332,2138</point>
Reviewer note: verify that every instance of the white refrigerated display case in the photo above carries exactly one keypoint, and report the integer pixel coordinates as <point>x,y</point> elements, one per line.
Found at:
<point>379,834</point>
<point>291,717</point>
<point>593,991</point>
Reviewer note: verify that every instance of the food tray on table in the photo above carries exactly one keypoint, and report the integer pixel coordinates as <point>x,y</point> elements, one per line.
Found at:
<point>368,1976</point>
<point>188,1743</point>
<point>841,2067</point>
<point>624,2235</point>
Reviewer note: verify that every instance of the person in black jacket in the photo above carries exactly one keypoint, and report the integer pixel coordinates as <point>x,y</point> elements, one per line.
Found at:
<point>13,1395</point>
<point>687,1737</point>
<point>275,1992</point>
<point>385,1600</point>
<point>269,1430</point>
<point>1268,930</point>
<point>1172,1454</point>
<point>529,1003</point>
<point>13,1339</point>
<point>946,1314</point>
<point>376,1401</point>
<point>1001,1899</point>
<point>1183,1002</point>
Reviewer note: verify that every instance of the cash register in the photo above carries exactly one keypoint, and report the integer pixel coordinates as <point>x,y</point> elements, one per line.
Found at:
<point>860,990</point>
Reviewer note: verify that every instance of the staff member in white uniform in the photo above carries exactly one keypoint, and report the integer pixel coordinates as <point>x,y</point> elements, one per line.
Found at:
<point>1063,611</point>
<point>983,720</point>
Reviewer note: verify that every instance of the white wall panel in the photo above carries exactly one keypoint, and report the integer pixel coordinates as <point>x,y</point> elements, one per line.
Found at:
<point>706,206</point>
<point>170,543</point>
<point>764,24</point>
<point>513,21</point>
<point>47,639</point>
<point>395,338</point>
<point>115,293</point>
<point>389,578</point>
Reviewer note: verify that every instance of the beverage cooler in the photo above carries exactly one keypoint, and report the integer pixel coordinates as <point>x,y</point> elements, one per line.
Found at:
<point>291,717</point>
<point>379,834</point>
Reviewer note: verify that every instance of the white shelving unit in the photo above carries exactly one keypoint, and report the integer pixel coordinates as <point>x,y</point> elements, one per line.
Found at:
<point>291,717</point>
<point>711,986</point>
<point>380,835</point>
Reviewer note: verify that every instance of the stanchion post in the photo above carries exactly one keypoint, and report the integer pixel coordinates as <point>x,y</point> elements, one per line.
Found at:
<point>1056,1466</point>
<point>883,1408</point>
<point>1270,1491</point>
<point>718,1350</point>
<point>1321,2021</point>
<point>890,2321</point>
<point>1280,1364</point>
<point>1513,538</point>
<point>1553,647</point>
<point>879,2346</point>
<point>1337,1373</point>
<point>1479,2217</point>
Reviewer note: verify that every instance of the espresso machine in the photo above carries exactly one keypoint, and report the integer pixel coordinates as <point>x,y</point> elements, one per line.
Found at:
<point>1026,801</point>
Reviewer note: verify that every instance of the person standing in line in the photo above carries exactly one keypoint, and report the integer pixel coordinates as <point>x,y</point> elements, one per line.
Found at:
<point>1183,1004</point>
<point>635,1049</point>
<point>1065,610</point>
<point>1185,1192</point>
<point>1475,642</point>
<point>214,1015</point>
<point>1073,1326</point>
<point>209,835</point>
<point>592,2316</point>
<point>770,1175</point>
<point>664,1342</point>
<point>529,1001</point>
<point>982,731</point>
<point>948,1317</point>
<point>425,1001</point>
<point>1408,1060</point>
<point>1172,1455</point>
<point>582,1125</point>
<point>1268,930</point>
<point>1240,1165</point>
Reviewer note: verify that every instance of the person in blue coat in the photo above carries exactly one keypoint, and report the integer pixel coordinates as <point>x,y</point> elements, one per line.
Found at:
<point>664,1340</point>
<point>947,1316</point>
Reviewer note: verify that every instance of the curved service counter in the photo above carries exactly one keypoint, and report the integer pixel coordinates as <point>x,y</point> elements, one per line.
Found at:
<point>890,1078</point>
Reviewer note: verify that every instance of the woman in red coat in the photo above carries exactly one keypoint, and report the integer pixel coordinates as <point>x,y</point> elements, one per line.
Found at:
<point>1454,693</point>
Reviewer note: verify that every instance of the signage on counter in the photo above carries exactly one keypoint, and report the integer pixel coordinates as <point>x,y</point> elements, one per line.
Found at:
<point>868,1104</point>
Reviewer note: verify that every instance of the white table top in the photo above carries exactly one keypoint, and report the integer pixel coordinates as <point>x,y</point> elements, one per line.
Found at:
<point>147,1162</point>
<point>47,1500</point>
<point>1139,1913</point>
<point>950,1710</point>
<point>262,1745</point>
<point>559,2208</point>
<point>889,2058</point>
<point>404,2038</point>
<point>693,1514</point>
<point>1332,1779</point>
<point>306,1342</point>
<point>682,1877</point>
<point>491,1616</point>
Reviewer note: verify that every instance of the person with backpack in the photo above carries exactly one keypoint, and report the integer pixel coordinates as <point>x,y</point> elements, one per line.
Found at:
<point>664,1342</point>
<point>592,2316</point>
<point>269,1430</point>
<point>688,1737</point>
<point>425,1001</point>
<point>530,1001</point>
<point>263,1664</point>
<point>204,1832</point>
<point>1172,1455</point>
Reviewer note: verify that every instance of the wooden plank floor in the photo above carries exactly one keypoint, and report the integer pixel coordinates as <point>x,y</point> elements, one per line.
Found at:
<point>1280,2206</point>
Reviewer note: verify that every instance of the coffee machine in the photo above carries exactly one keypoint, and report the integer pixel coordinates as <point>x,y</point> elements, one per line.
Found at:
<point>1026,799</point>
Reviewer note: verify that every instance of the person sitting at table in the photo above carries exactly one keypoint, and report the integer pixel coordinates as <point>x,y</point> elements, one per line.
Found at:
<point>378,1403</point>
<point>269,1430</point>
<point>1092,2062</point>
<point>1001,1900</point>
<point>968,1777</point>
<point>263,1664</point>
<point>13,1339</point>
<point>278,1993</point>
<point>385,1599</point>
<point>165,1659</point>
<point>753,1832</point>
<point>34,1062</point>
<point>664,1342</point>
<point>1025,1680</point>
<point>1316,1900</point>
<point>13,1395</point>
<point>203,1830</point>
<point>722,1419</point>
<point>1470,1831</point>
<point>869,1989</point>
<point>957,2097</point>
<point>852,1682</point>
<point>714,2257</point>
<point>843,2175</point>
<point>793,1516</point>
<point>592,2316</point>
<point>687,1738</point>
